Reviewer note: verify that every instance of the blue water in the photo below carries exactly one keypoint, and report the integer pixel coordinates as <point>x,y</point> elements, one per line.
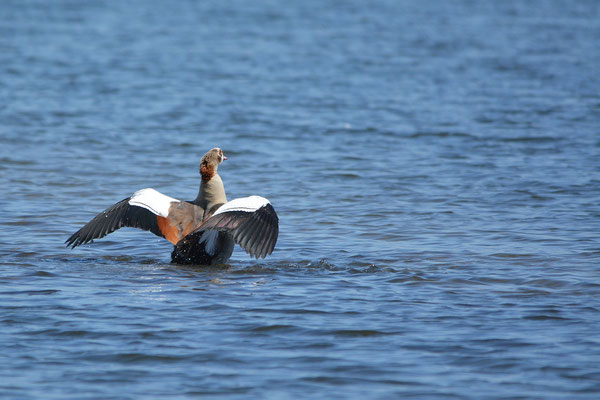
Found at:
<point>435,167</point>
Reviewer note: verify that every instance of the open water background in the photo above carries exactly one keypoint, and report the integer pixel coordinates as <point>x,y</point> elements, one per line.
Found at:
<point>435,166</point>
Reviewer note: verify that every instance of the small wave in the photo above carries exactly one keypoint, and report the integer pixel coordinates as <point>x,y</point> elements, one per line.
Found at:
<point>359,332</point>
<point>270,328</point>
<point>441,134</point>
<point>130,358</point>
<point>43,274</point>
<point>9,161</point>
<point>544,317</point>
<point>31,292</point>
<point>530,139</point>
<point>512,255</point>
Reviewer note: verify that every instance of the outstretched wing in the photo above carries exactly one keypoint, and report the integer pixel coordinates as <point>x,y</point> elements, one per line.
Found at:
<point>251,221</point>
<point>147,209</point>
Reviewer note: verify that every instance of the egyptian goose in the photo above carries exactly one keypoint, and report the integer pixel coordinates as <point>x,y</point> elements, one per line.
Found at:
<point>204,230</point>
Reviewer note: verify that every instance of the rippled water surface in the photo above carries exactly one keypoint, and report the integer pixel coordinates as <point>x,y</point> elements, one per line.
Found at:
<point>435,166</point>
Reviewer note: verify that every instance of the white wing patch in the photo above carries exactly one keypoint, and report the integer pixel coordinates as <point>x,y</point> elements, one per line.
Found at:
<point>247,204</point>
<point>153,201</point>
<point>210,238</point>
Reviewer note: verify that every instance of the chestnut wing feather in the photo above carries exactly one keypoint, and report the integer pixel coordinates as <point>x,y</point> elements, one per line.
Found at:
<point>116,216</point>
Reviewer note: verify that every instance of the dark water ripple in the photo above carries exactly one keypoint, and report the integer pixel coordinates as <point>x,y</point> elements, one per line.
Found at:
<point>434,165</point>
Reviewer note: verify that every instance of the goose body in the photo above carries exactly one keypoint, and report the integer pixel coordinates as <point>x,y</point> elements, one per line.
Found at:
<point>204,231</point>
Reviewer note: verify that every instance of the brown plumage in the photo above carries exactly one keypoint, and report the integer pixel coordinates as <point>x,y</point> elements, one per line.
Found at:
<point>210,162</point>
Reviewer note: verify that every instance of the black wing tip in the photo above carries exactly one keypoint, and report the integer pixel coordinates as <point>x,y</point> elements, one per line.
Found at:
<point>74,241</point>
<point>266,245</point>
